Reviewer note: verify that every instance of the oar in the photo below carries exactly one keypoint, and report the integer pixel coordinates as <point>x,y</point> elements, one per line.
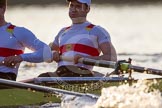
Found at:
<point>93,62</point>
<point>43,88</point>
<point>60,80</point>
<point>111,64</point>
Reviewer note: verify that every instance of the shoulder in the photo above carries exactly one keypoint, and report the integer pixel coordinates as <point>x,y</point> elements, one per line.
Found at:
<point>101,33</point>
<point>93,27</point>
<point>99,28</point>
<point>64,29</point>
<point>13,27</point>
<point>20,32</point>
<point>17,30</point>
<point>22,29</point>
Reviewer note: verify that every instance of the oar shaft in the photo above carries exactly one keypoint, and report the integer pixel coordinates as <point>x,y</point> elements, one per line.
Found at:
<point>99,63</point>
<point>147,70</point>
<point>38,87</point>
<point>78,79</point>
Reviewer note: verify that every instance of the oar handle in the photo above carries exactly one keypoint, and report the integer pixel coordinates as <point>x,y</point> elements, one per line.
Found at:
<point>1,63</point>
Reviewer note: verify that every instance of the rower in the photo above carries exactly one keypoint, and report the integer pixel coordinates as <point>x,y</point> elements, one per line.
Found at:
<point>81,39</point>
<point>13,41</point>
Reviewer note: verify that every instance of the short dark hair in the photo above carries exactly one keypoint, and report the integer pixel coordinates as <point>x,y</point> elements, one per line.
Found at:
<point>3,3</point>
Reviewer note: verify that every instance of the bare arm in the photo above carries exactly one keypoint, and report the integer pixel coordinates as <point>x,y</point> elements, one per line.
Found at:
<point>108,52</point>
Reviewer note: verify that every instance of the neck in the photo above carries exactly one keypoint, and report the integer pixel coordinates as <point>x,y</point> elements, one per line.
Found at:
<point>2,22</point>
<point>78,20</point>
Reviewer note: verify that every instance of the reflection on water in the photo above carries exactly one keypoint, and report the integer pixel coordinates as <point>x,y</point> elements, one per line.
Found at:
<point>135,30</point>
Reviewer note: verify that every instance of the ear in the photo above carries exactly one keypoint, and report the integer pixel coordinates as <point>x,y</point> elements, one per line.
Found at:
<point>2,9</point>
<point>88,9</point>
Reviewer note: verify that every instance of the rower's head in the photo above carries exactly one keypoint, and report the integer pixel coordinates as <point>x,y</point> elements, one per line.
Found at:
<point>78,9</point>
<point>3,4</point>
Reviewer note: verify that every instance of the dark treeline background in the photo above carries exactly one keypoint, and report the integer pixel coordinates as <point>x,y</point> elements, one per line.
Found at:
<point>63,2</point>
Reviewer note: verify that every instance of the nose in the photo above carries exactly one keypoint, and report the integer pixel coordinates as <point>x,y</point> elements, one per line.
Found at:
<point>73,9</point>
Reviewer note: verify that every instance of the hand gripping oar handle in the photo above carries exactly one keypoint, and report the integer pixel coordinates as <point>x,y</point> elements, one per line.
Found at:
<point>110,64</point>
<point>1,63</point>
<point>43,88</point>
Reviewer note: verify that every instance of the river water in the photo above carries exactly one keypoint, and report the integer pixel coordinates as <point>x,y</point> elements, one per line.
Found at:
<point>135,31</point>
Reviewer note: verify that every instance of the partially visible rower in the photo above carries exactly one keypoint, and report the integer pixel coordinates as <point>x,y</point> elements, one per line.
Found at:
<point>13,41</point>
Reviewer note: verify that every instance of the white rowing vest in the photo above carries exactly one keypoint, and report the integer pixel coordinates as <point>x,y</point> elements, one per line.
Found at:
<point>83,39</point>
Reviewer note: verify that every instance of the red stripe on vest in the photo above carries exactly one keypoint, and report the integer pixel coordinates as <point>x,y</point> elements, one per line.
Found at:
<point>5,52</point>
<point>79,48</point>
